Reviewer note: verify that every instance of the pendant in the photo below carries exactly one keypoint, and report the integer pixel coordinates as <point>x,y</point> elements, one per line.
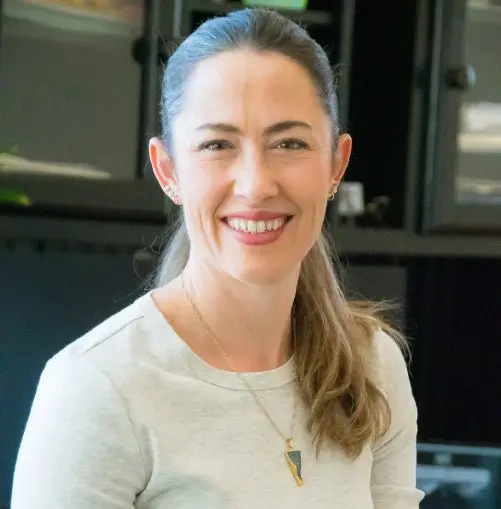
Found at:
<point>293,458</point>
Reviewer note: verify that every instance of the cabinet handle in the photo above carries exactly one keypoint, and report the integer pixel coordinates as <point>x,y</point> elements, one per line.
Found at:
<point>462,78</point>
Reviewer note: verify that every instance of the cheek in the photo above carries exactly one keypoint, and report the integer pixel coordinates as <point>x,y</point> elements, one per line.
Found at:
<point>308,184</point>
<point>197,179</point>
<point>203,191</point>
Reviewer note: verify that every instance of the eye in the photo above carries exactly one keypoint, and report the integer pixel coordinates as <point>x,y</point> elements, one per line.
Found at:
<point>292,144</point>
<point>215,145</point>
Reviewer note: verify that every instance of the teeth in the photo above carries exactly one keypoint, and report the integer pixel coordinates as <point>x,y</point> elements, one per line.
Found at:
<point>255,226</point>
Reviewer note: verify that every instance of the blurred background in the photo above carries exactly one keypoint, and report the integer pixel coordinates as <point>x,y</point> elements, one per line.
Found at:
<point>418,220</point>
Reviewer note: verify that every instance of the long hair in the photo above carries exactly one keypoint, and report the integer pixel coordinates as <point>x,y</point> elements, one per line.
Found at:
<point>333,336</point>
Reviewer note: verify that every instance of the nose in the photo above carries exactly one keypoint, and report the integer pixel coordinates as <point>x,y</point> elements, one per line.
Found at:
<point>254,180</point>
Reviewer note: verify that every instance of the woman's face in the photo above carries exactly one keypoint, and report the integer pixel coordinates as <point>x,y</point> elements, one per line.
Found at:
<point>252,164</point>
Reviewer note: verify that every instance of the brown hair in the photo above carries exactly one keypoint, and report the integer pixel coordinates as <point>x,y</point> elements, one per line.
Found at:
<point>333,336</point>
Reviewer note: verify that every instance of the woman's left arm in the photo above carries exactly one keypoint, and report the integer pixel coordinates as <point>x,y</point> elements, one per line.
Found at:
<point>393,479</point>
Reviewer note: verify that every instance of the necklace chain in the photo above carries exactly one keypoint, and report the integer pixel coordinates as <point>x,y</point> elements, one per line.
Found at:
<point>208,331</point>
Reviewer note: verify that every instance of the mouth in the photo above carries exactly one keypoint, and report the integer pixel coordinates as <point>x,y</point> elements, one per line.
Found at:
<point>253,227</point>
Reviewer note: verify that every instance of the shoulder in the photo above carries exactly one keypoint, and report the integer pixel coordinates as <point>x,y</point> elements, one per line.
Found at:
<point>108,337</point>
<point>390,370</point>
<point>79,383</point>
<point>387,351</point>
<point>84,361</point>
<point>81,419</point>
<point>119,347</point>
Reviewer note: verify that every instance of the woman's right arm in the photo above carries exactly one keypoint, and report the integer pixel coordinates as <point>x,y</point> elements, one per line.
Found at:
<point>79,449</point>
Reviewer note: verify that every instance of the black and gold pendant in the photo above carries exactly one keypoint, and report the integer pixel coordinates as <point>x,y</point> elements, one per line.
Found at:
<point>293,458</point>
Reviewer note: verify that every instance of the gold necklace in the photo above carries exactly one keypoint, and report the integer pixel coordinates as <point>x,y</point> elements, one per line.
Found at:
<point>292,455</point>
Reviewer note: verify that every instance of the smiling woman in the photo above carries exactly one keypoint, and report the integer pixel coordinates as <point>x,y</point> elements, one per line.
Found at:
<point>244,373</point>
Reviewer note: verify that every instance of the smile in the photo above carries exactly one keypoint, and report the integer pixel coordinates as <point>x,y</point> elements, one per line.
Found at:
<point>255,227</point>
<point>257,230</point>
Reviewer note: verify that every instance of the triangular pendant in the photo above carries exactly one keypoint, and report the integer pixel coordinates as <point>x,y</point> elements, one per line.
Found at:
<point>293,458</point>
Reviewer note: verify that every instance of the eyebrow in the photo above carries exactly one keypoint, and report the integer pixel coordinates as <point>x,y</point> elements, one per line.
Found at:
<point>272,129</point>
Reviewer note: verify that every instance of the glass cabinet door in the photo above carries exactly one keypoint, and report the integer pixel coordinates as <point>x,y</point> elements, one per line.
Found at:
<point>463,156</point>
<point>70,89</point>
<point>478,170</point>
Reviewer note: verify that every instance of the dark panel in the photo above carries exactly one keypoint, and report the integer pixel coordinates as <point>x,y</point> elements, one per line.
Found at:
<point>456,305</point>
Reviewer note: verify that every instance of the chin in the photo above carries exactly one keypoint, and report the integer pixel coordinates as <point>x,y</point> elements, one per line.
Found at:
<point>263,274</point>
<point>264,263</point>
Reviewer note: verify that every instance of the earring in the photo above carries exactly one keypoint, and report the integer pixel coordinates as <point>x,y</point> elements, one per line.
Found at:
<point>332,192</point>
<point>172,195</point>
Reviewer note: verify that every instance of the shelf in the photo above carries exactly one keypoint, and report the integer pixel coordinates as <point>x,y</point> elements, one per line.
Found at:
<point>399,243</point>
<point>26,229</point>
<point>309,17</point>
<point>348,241</point>
<point>65,196</point>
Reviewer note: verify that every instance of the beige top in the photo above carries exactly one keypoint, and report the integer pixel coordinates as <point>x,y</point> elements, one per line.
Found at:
<point>128,416</point>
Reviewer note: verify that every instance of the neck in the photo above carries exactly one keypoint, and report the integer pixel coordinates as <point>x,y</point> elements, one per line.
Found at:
<point>251,323</point>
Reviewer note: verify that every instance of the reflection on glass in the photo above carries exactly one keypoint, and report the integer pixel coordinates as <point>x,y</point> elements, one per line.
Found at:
<point>478,178</point>
<point>69,93</point>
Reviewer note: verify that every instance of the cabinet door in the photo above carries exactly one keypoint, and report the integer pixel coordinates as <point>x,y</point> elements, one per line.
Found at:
<point>464,174</point>
<point>70,104</point>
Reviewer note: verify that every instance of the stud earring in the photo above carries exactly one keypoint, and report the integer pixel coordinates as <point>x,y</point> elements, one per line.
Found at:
<point>332,192</point>
<point>172,195</point>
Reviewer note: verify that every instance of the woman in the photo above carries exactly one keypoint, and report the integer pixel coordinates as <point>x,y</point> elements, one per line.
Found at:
<point>244,379</point>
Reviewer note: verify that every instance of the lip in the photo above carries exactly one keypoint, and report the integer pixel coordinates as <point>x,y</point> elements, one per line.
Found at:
<point>257,239</point>
<point>257,215</point>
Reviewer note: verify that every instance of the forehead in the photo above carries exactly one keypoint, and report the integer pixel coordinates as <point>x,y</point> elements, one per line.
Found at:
<point>251,87</point>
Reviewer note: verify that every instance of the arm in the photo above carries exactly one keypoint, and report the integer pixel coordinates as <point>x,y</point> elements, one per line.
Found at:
<point>79,450</point>
<point>393,480</point>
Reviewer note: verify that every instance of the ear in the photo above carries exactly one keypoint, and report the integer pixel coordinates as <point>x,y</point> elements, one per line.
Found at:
<point>341,158</point>
<point>162,166</point>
